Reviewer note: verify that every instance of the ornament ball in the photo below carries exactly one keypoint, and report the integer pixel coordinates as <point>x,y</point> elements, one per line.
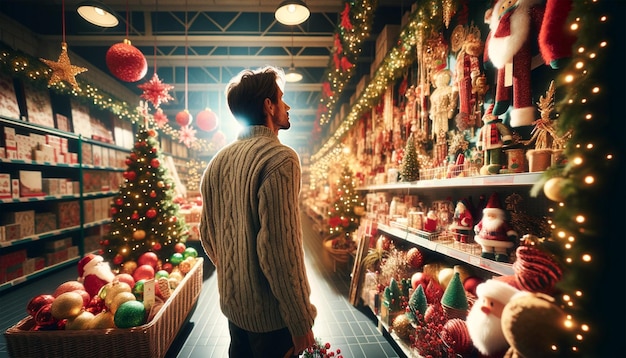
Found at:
<point>552,189</point>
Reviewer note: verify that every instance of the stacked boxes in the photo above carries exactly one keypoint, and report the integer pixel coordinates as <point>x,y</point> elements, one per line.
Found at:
<point>57,251</point>
<point>25,219</point>
<point>11,265</point>
<point>68,214</point>
<point>45,222</point>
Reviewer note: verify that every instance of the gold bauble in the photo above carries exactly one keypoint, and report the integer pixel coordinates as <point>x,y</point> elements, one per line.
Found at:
<point>552,189</point>
<point>129,267</point>
<point>401,325</point>
<point>139,235</point>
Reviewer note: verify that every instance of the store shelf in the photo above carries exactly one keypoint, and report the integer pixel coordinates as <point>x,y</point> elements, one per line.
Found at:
<point>9,284</point>
<point>499,268</point>
<point>519,179</point>
<point>44,235</point>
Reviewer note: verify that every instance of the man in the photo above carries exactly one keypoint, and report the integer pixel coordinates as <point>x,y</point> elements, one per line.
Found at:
<point>250,226</point>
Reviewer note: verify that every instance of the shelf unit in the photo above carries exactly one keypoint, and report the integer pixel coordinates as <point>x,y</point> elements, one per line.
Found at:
<point>34,245</point>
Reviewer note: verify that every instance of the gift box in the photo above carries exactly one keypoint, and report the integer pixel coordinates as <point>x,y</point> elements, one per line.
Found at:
<point>30,183</point>
<point>68,213</point>
<point>26,220</point>
<point>5,185</point>
<point>10,232</point>
<point>45,222</point>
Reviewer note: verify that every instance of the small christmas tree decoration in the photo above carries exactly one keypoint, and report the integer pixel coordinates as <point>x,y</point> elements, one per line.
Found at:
<point>454,300</point>
<point>417,304</point>
<point>145,217</point>
<point>63,70</point>
<point>126,62</point>
<point>410,166</point>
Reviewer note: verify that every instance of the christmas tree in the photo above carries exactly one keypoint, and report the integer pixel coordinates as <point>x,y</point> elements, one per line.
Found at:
<point>144,214</point>
<point>410,166</point>
<point>344,214</point>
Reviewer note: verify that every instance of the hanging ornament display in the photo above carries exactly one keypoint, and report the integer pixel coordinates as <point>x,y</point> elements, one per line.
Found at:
<point>187,136</point>
<point>184,118</point>
<point>126,62</point>
<point>155,91</point>
<point>218,139</point>
<point>160,118</point>
<point>207,120</point>
<point>63,70</point>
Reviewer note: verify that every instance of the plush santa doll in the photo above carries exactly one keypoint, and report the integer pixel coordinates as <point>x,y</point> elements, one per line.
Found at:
<point>484,319</point>
<point>94,273</point>
<point>515,27</point>
<point>493,233</point>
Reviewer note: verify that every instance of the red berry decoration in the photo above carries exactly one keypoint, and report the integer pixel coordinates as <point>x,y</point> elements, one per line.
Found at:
<point>151,213</point>
<point>126,62</point>
<point>207,120</point>
<point>184,118</point>
<point>155,163</point>
<point>119,201</point>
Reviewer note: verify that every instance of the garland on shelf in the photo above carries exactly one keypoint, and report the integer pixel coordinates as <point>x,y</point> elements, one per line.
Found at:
<point>29,68</point>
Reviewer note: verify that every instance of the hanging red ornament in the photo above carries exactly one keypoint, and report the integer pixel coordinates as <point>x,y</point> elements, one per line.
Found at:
<point>153,150</point>
<point>207,120</point>
<point>156,91</point>
<point>104,242</point>
<point>126,62</point>
<point>113,211</point>
<point>128,161</point>
<point>151,133</point>
<point>119,201</point>
<point>151,213</point>
<point>133,156</point>
<point>184,118</point>
<point>155,163</point>
<point>153,194</point>
<point>135,216</point>
<point>156,246</point>
<point>219,139</point>
<point>118,259</point>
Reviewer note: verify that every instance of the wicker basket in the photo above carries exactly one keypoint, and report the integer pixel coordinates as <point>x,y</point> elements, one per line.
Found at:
<point>152,339</point>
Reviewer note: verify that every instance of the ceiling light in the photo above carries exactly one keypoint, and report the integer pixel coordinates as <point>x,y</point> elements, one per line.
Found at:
<point>292,75</point>
<point>97,14</point>
<point>292,12</point>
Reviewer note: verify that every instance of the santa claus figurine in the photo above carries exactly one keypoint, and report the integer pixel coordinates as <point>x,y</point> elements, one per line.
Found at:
<point>462,223</point>
<point>94,273</point>
<point>493,233</point>
<point>491,138</point>
<point>515,28</point>
<point>484,319</point>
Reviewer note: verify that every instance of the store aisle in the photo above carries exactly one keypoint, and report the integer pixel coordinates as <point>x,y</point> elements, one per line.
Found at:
<point>206,335</point>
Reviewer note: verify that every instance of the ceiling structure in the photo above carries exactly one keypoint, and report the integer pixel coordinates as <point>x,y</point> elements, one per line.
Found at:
<point>199,45</point>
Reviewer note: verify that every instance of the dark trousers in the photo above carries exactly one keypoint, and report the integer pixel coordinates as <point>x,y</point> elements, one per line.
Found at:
<point>246,344</point>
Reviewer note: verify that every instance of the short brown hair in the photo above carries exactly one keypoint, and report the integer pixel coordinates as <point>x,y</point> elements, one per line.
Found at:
<point>247,91</point>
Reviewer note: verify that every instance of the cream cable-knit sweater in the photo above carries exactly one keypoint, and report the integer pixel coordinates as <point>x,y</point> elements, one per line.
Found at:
<point>250,229</point>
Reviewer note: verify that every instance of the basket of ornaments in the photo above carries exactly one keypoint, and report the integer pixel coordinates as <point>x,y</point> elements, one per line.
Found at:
<point>133,312</point>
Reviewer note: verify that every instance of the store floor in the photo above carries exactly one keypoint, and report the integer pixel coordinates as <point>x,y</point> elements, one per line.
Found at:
<point>353,330</point>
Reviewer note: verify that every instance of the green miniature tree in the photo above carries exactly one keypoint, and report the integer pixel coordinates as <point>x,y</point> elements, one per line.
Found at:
<point>417,304</point>
<point>410,165</point>
<point>344,214</point>
<point>144,214</point>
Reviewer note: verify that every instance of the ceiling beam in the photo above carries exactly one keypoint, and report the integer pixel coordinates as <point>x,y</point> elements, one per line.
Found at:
<point>239,61</point>
<point>202,40</point>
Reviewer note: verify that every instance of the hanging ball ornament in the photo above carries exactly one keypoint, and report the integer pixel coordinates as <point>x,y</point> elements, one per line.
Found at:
<point>135,216</point>
<point>153,194</point>
<point>151,213</point>
<point>157,246</point>
<point>155,163</point>
<point>207,120</point>
<point>119,201</point>
<point>184,118</point>
<point>126,62</point>
<point>118,259</point>
<point>152,133</point>
<point>552,189</point>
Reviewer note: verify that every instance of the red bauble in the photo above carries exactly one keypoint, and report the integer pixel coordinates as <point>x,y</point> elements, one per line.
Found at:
<point>126,277</point>
<point>168,267</point>
<point>113,211</point>
<point>179,247</point>
<point>119,202</point>
<point>85,295</point>
<point>153,194</point>
<point>207,120</point>
<point>151,213</point>
<point>130,175</point>
<point>218,139</point>
<point>143,272</point>
<point>156,247</point>
<point>148,258</point>
<point>96,305</point>
<point>414,258</point>
<point>184,118</point>
<point>155,163</point>
<point>118,259</point>
<point>37,302</point>
<point>126,62</point>
<point>44,317</point>
<point>134,216</point>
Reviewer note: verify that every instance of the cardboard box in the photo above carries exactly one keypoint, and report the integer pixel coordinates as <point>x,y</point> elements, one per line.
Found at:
<point>26,220</point>
<point>5,185</point>
<point>10,232</point>
<point>30,183</point>
<point>45,222</point>
<point>68,214</point>
<point>57,245</point>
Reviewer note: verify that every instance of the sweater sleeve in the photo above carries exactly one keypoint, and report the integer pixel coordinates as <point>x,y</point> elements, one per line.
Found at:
<point>205,218</point>
<point>279,245</point>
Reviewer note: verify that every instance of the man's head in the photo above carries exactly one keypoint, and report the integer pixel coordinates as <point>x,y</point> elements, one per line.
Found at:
<point>255,98</point>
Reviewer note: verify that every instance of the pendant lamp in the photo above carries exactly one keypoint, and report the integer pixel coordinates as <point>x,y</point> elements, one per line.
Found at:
<point>97,13</point>
<point>292,75</point>
<point>292,12</point>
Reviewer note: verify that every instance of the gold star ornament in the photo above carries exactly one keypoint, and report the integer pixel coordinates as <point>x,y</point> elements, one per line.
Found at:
<point>63,70</point>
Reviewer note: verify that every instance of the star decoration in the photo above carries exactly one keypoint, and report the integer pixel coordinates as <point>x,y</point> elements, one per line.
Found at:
<point>187,135</point>
<point>156,91</point>
<point>63,70</point>
<point>160,118</point>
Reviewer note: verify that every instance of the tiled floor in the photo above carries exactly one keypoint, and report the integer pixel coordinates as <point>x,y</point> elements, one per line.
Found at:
<point>351,329</point>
